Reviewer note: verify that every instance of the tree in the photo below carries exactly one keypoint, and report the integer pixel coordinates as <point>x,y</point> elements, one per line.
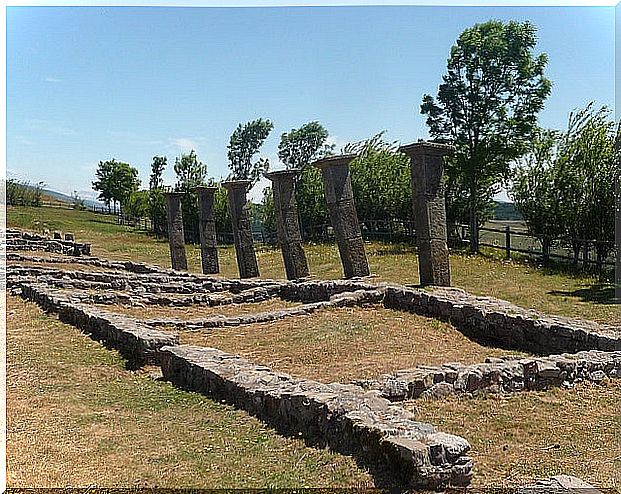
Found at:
<point>138,204</point>
<point>157,203</point>
<point>380,178</point>
<point>115,182</point>
<point>565,186</point>
<point>534,189</point>
<point>487,107</point>
<point>243,145</point>
<point>299,147</point>
<point>157,171</point>
<point>190,171</point>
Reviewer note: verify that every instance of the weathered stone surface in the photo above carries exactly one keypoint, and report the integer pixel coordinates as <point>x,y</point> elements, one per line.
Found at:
<point>289,235</point>
<point>342,209</point>
<point>176,238</point>
<point>345,417</point>
<point>501,375</point>
<point>503,323</point>
<point>242,231</point>
<point>207,227</point>
<point>427,169</point>
<point>31,242</point>
<point>559,484</point>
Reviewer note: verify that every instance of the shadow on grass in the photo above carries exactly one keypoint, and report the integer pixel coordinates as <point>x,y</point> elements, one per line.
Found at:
<point>597,294</point>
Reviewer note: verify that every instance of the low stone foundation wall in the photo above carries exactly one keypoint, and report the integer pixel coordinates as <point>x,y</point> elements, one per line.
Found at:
<point>16,240</point>
<point>503,323</point>
<point>359,297</point>
<point>138,343</point>
<point>345,417</point>
<point>498,375</point>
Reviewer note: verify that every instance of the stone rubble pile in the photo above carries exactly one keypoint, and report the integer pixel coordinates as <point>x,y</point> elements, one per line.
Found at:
<point>345,417</point>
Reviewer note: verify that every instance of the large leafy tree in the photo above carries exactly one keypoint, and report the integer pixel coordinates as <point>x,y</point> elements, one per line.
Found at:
<point>487,106</point>
<point>243,145</point>
<point>115,181</point>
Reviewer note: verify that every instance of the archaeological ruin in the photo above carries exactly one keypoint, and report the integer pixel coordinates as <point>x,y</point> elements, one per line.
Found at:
<point>360,417</point>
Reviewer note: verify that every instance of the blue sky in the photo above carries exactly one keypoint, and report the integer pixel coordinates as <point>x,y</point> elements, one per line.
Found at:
<point>92,83</point>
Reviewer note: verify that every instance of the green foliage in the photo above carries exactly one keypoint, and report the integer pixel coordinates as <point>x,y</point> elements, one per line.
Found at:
<point>299,147</point>
<point>115,181</point>
<point>23,193</point>
<point>221,212</point>
<point>190,173</point>
<point>267,216</point>
<point>311,203</point>
<point>157,202</point>
<point>381,180</point>
<point>243,145</point>
<point>565,186</point>
<point>138,205</point>
<point>157,170</point>
<point>487,107</point>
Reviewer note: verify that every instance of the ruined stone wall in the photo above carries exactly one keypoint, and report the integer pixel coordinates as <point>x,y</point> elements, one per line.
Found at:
<point>504,324</point>
<point>345,417</point>
<point>498,375</point>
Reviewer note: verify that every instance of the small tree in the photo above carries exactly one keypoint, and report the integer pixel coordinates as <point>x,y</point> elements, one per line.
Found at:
<point>487,107</point>
<point>191,172</point>
<point>243,145</point>
<point>115,182</point>
<point>299,147</point>
<point>157,203</point>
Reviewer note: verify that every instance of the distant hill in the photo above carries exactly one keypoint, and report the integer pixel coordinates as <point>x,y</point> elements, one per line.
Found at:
<point>506,211</point>
<point>60,197</point>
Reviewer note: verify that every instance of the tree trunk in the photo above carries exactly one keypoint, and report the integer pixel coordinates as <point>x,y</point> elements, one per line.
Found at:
<point>474,220</point>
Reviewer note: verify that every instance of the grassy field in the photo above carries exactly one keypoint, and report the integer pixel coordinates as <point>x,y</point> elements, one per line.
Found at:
<point>77,417</point>
<point>551,292</point>
<point>346,344</point>
<point>537,434</point>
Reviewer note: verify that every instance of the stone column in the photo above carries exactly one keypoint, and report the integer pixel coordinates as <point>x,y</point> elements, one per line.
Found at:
<point>427,169</point>
<point>242,231</point>
<point>175,230</point>
<point>340,199</point>
<point>289,235</point>
<point>207,228</point>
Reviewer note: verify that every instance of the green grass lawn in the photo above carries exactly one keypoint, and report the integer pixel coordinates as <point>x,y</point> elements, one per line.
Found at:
<point>552,292</point>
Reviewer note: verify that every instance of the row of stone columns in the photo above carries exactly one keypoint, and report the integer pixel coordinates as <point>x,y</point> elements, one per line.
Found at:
<point>428,203</point>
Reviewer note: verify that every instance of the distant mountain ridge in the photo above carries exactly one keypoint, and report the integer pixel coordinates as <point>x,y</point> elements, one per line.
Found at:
<point>59,196</point>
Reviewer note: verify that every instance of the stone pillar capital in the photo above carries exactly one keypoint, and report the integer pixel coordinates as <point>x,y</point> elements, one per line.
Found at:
<point>421,148</point>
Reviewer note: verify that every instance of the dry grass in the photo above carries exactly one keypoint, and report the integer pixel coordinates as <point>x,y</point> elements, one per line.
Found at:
<point>76,417</point>
<point>551,292</point>
<point>198,311</point>
<point>346,344</point>
<point>531,435</point>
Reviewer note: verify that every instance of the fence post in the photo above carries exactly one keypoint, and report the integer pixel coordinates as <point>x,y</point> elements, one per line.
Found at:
<point>508,242</point>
